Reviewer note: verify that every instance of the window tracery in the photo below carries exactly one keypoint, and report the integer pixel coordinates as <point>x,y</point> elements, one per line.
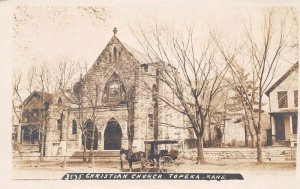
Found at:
<point>114,91</point>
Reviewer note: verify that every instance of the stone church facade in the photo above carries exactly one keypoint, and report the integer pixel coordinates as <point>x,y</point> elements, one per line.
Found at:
<point>121,85</point>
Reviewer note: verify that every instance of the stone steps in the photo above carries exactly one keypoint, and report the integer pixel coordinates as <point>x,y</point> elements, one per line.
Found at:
<point>97,154</point>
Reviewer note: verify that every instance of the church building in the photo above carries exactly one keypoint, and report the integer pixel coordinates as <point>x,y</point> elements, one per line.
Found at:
<point>117,98</point>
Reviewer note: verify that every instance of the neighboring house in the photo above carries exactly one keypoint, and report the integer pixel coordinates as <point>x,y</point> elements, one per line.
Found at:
<point>39,116</point>
<point>233,135</point>
<point>283,101</point>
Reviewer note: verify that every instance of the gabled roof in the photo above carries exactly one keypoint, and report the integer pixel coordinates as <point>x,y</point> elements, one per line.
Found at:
<point>47,96</point>
<point>138,55</point>
<point>279,81</point>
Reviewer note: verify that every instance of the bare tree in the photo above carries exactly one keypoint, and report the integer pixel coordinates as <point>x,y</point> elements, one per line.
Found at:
<point>86,95</point>
<point>262,54</point>
<point>43,78</point>
<point>238,105</point>
<point>190,72</point>
<point>64,73</point>
<point>130,99</point>
<point>80,113</point>
<point>17,100</point>
<point>31,79</point>
<point>92,95</point>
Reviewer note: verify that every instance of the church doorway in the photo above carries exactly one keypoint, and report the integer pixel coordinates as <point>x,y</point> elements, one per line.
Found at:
<point>112,136</point>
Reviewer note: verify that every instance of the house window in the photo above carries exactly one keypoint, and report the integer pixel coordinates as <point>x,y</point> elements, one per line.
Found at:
<point>282,99</point>
<point>74,127</point>
<point>35,113</point>
<point>295,124</point>
<point>296,98</point>
<point>150,120</point>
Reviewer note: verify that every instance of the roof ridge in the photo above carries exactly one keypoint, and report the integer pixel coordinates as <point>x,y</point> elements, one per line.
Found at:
<point>284,76</point>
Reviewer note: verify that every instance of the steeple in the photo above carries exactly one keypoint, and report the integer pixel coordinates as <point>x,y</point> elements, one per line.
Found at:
<point>115,31</point>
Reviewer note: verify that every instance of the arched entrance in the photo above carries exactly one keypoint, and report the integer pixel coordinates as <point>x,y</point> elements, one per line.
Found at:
<point>112,136</point>
<point>89,136</point>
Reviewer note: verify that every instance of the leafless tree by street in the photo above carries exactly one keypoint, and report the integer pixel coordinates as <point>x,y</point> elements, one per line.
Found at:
<point>261,52</point>
<point>190,71</point>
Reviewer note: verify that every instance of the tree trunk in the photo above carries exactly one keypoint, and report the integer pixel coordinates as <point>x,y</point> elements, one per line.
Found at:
<point>130,142</point>
<point>41,143</point>
<point>84,148</point>
<point>259,148</point>
<point>251,135</point>
<point>209,133</point>
<point>44,143</point>
<point>200,152</point>
<point>92,144</point>
<point>246,135</point>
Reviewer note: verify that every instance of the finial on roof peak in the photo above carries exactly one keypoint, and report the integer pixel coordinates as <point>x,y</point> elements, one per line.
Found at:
<point>115,30</point>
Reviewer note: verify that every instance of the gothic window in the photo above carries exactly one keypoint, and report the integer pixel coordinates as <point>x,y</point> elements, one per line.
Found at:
<point>74,127</point>
<point>154,92</point>
<point>59,101</point>
<point>59,124</point>
<point>107,56</point>
<point>115,54</point>
<point>114,90</point>
<point>150,120</point>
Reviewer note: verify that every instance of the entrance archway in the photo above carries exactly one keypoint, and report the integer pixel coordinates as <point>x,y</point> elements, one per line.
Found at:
<point>112,136</point>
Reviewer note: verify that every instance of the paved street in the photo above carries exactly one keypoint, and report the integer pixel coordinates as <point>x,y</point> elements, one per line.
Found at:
<point>247,169</point>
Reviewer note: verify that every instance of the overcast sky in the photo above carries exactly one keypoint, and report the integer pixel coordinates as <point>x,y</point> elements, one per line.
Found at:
<point>50,33</point>
<point>44,33</point>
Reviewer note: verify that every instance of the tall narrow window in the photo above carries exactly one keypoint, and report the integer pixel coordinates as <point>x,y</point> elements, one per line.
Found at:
<point>296,98</point>
<point>59,124</point>
<point>115,54</point>
<point>150,120</point>
<point>282,99</point>
<point>59,101</point>
<point>110,59</point>
<point>154,92</point>
<point>74,127</point>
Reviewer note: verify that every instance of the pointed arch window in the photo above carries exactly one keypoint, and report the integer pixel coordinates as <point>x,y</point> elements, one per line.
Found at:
<point>115,54</point>
<point>74,127</point>
<point>59,101</point>
<point>114,90</point>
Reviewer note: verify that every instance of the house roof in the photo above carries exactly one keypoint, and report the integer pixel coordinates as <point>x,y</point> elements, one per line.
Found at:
<point>280,80</point>
<point>47,96</point>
